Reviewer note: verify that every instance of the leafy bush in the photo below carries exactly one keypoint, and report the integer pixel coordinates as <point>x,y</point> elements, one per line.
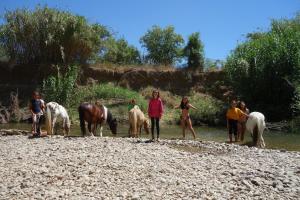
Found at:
<point>208,109</point>
<point>265,69</point>
<point>106,91</point>
<point>60,88</point>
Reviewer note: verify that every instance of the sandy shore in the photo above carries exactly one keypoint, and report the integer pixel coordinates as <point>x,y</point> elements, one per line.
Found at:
<point>121,168</point>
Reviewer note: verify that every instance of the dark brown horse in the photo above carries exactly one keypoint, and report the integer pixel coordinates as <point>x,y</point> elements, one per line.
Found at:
<point>95,114</point>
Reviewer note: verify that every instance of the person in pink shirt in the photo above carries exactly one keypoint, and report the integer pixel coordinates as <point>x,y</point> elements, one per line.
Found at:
<point>155,112</point>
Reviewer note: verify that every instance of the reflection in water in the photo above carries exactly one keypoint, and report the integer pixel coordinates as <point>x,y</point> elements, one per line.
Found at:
<point>274,140</point>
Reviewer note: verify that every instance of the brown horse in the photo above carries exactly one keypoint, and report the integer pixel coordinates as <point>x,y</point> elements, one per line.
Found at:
<point>95,114</point>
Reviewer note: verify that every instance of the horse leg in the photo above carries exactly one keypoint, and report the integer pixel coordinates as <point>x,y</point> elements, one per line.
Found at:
<point>101,129</point>
<point>129,131</point>
<point>83,130</point>
<point>64,127</point>
<point>94,129</point>
<point>90,128</point>
<point>262,142</point>
<point>53,124</point>
<point>140,131</point>
<point>255,135</point>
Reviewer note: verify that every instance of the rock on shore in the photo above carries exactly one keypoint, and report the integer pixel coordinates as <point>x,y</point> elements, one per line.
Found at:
<point>118,168</point>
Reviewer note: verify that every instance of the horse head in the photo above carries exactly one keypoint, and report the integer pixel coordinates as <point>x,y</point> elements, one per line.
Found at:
<point>146,125</point>
<point>113,124</point>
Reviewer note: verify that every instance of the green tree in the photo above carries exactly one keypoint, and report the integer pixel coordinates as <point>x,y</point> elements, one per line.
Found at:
<point>213,65</point>
<point>163,45</point>
<point>265,69</point>
<point>48,35</point>
<point>120,52</point>
<point>60,88</point>
<point>194,51</point>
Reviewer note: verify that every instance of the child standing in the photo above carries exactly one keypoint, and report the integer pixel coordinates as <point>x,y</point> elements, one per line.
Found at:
<point>185,116</point>
<point>242,121</point>
<point>233,115</point>
<point>155,112</point>
<point>36,108</point>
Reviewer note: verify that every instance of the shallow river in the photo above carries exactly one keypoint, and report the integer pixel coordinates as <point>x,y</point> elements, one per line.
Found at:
<point>273,140</point>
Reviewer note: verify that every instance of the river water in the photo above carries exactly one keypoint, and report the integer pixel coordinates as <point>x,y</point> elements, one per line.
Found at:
<point>273,139</point>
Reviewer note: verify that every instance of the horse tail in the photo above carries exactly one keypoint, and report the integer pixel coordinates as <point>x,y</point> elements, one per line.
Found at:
<point>82,124</point>
<point>261,126</point>
<point>48,120</point>
<point>66,120</point>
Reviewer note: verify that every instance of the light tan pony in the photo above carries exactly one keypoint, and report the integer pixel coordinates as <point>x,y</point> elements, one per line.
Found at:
<point>137,120</point>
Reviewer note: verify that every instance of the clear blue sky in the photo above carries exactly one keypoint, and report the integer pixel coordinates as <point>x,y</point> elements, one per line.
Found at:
<point>221,23</point>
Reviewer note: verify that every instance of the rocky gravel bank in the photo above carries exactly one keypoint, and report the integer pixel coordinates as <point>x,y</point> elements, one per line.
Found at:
<point>121,168</point>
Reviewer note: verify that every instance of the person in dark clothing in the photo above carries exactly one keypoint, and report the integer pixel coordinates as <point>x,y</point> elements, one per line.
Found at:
<point>36,108</point>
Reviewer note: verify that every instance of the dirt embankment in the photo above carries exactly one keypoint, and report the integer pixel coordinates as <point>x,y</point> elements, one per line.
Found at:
<point>25,78</point>
<point>178,81</point>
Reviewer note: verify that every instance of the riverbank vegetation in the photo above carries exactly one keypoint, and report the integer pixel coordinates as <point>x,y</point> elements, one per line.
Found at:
<point>263,70</point>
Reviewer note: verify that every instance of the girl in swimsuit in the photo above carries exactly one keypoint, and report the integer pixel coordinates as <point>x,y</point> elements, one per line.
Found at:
<point>242,121</point>
<point>185,116</point>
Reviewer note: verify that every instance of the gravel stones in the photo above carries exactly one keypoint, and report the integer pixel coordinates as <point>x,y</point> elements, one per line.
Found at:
<point>123,168</point>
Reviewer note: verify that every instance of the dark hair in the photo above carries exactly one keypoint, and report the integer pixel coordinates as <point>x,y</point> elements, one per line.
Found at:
<point>182,104</point>
<point>35,93</point>
<point>233,101</point>
<point>155,91</point>
<point>240,105</point>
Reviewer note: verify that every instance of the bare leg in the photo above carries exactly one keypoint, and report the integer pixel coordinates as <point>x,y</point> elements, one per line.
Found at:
<point>183,128</point>
<point>243,132</point>
<point>191,128</point>
<point>33,124</point>
<point>239,131</point>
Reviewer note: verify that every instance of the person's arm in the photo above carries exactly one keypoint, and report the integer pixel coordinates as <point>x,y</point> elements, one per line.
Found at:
<point>191,106</point>
<point>149,109</point>
<point>242,113</point>
<point>247,111</point>
<point>30,109</point>
<point>43,106</point>
<point>176,107</point>
<point>161,109</point>
<point>227,119</point>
